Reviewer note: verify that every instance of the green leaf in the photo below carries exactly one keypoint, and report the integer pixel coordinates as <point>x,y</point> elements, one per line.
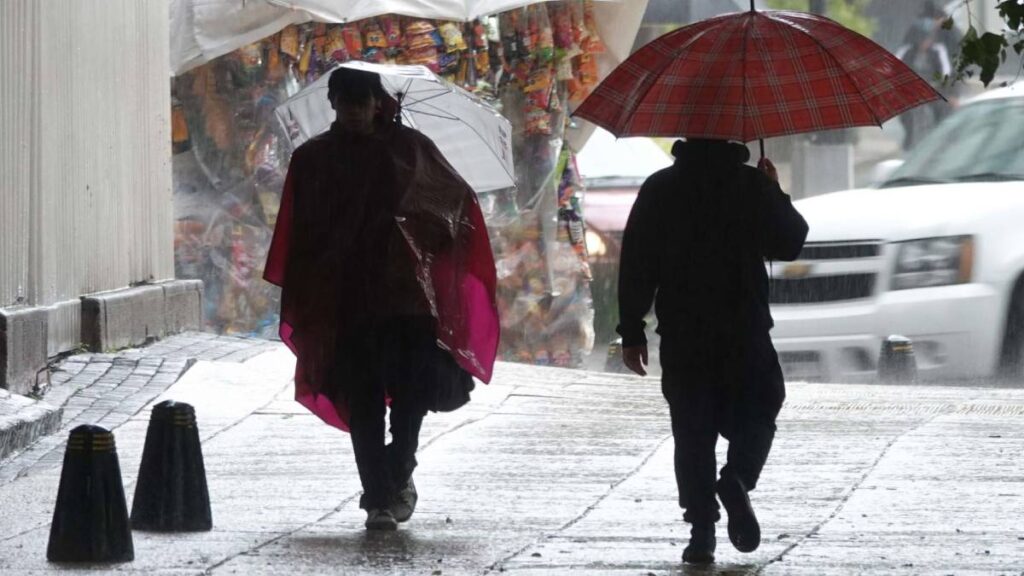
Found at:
<point>1013,12</point>
<point>993,42</point>
<point>947,24</point>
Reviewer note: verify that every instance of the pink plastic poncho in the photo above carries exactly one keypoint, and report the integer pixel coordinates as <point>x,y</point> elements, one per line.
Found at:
<point>315,256</point>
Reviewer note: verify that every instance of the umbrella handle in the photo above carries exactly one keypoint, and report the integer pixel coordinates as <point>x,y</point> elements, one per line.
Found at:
<point>761,141</point>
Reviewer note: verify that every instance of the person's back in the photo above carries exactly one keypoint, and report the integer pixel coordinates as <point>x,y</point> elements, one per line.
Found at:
<point>699,234</point>
<point>696,242</point>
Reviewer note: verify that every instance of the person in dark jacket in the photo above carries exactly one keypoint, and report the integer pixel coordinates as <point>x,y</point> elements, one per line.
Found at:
<point>376,239</point>
<point>695,246</point>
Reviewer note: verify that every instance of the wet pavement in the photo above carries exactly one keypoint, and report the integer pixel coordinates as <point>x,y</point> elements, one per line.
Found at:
<point>548,472</point>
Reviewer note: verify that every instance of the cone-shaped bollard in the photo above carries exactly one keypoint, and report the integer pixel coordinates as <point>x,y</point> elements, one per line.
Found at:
<point>896,363</point>
<point>171,493</point>
<point>90,522</point>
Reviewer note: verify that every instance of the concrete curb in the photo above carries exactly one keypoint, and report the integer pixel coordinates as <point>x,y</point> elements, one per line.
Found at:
<point>24,420</point>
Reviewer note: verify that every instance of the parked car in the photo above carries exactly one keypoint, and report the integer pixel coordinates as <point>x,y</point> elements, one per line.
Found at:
<point>934,253</point>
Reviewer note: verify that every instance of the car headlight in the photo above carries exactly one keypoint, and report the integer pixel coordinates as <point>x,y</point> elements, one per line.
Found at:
<point>933,262</point>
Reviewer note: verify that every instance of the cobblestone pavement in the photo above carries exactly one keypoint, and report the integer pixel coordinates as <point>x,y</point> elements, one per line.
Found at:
<point>108,389</point>
<point>550,472</point>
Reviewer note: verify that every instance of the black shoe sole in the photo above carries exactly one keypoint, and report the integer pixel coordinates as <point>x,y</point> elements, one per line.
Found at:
<point>382,526</point>
<point>744,531</point>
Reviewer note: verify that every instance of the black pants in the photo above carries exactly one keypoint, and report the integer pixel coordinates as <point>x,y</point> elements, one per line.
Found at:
<point>718,385</point>
<point>386,357</point>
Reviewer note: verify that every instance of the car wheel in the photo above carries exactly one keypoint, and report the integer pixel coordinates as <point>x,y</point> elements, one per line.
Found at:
<point>1012,360</point>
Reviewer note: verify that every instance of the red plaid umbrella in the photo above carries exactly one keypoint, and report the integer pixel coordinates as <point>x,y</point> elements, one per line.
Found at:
<point>755,75</point>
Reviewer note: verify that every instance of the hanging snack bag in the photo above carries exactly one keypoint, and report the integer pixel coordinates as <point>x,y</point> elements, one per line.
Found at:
<point>448,62</point>
<point>538,87</point>
<point>290,42</point>
<point>453,39</point>
<point>483,62</point>
<point>538,122</point>
<point>392,27</point>
<point>353,39</point>
<point>426,56</point>
<point>306,58</point>
<point>561,24</point>
<point>418,35</point>
<point>335,47</point>
<point>593,43</point>
<point>479,34</point>
<point>587,70</point>
<point>540,30</point>
<point>373,36</point>
<point>275,68</point>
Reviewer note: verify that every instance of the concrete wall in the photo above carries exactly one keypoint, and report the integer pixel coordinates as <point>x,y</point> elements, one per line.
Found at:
<point>85,176</point>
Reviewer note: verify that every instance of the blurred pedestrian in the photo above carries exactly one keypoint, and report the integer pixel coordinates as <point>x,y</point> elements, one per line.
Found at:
<point>695,246</point>
<point>375,229</point>
<point>925,50</point>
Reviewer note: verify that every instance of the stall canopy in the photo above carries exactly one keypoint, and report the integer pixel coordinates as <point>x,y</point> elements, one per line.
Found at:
<point>202,30</point>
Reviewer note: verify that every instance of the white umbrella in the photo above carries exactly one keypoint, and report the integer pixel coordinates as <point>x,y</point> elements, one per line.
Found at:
<point>471,134</point>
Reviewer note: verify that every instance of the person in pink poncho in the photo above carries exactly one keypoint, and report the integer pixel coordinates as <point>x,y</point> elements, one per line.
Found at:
<point>388,286</point>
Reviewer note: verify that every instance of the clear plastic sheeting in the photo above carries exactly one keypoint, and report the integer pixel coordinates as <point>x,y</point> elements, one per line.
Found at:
<point>532,64</point>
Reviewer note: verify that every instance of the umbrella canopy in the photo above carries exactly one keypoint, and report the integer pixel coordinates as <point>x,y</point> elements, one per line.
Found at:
<point>471,135</point>
<point>754,75</point>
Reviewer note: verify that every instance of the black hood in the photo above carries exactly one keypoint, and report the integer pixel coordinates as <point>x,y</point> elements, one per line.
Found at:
<point>714,152</point>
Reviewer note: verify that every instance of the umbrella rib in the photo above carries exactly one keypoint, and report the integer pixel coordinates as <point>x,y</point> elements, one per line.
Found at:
<point>846,72</point>
<point>743,87</point>
<point>433,115</point>
<point>626,111</point>
<point>431,97</point>
<point>475,131</point>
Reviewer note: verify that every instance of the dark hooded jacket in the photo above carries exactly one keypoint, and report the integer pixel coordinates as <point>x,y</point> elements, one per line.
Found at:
<point>696,242</point>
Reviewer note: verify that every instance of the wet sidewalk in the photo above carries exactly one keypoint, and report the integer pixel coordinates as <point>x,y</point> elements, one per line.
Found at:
<point>551,472</point>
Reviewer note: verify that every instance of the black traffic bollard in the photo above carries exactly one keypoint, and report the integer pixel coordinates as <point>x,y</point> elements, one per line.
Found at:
<point>90,521</point>
<point>896,362</point>
<point>171,494</point>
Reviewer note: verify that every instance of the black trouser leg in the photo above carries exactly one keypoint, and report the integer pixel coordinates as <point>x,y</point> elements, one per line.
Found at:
<point>695,469</point>
<point>366,425</point>
<point>693,405</point>
<point>386,356</point>
<point>406,420</point>
<point>755,407</point>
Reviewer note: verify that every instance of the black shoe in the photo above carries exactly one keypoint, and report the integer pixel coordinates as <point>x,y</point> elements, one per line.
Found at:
<point>380,519</point>
<point>744,531</point>
<point>701,549</point>
<point>404,502</point>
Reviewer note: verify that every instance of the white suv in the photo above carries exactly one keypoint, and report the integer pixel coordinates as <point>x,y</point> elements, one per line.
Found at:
<point>935,253</point>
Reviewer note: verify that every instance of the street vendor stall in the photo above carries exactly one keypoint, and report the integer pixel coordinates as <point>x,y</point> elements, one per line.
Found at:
<point>534,64</point>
